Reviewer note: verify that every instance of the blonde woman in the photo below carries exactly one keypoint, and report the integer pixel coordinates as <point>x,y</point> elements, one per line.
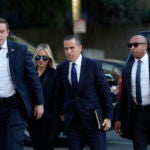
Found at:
<point>45,131</point>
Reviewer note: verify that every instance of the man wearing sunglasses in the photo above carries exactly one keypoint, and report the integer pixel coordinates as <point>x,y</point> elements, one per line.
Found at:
<point>18,78</point>
<point>133,111</point>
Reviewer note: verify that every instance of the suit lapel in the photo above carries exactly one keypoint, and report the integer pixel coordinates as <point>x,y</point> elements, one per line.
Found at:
<point>11,56</point>
<point>66,71</point>
<point>149,64</point>
<point>128,78</point>
<point>83,72</point>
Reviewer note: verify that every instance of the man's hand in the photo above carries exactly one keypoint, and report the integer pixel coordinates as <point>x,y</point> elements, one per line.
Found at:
<point>118,127</point>
<point>38,111</point>
<point>106,124</point>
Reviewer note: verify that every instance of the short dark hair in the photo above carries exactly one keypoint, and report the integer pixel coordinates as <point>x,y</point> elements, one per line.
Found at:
<point>2,20</point>
<point>73,36</point>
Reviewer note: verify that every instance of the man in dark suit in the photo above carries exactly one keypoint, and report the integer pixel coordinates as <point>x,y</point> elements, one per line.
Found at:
<point>133,112</point>
<point>17,76</point>
<point>80,94</point>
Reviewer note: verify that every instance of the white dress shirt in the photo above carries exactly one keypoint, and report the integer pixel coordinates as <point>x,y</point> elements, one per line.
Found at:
<point>7,88</point>
<point>77,66</point>
<point>145,81</point>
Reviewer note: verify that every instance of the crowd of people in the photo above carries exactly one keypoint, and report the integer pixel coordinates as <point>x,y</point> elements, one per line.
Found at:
<point>40,94</point>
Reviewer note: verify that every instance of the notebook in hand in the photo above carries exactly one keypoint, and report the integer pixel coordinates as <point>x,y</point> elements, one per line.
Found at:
<point>99,118</point>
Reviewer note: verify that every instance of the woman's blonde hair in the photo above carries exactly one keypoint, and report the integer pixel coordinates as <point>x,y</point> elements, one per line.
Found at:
<point>48,50</point>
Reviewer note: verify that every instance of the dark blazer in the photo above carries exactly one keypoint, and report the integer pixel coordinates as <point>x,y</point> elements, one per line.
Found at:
<point>24,75</point>
<point>48,81</point>
<point>47,129</point>
<point>124,109</point>
<point>93,93</point>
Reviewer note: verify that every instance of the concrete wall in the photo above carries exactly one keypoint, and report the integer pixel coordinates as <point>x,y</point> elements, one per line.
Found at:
<point>112,39</point>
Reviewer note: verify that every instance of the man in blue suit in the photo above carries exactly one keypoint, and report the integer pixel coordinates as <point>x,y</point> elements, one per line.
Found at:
<point>17,76</point>
<point>133,111</point>
<point>77,100</point>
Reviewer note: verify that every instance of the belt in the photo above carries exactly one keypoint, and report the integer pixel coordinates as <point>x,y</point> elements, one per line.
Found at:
<point>140,107</point>
<point>8,100</point>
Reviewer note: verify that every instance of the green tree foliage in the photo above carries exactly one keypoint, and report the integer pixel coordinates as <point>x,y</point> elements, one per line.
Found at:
<point>57,13</point>
<point>40,12</point>
<point>122,10</point>
<point>111,11</point>
<point>146,16</point>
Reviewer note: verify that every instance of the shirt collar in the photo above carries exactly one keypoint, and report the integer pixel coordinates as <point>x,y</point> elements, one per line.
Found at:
<point>144,59</point>
<point>4,45</point>
<point>78,61</point>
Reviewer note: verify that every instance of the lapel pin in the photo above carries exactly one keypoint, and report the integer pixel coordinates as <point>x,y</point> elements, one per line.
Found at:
<point>12,50</point>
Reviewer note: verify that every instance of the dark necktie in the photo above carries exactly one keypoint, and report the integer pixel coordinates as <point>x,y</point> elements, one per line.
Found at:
<point>138,84</point>
<point>74,79</point>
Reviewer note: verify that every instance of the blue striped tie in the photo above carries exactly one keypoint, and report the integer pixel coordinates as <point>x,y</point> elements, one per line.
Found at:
<point>138,84</point>
<point>74,79</point>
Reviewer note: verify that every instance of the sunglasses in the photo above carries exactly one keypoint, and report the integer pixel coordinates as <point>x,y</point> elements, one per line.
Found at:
<point>134,44</point>
<point>38,57</point>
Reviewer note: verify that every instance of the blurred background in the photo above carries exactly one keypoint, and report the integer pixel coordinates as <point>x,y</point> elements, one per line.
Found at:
<point>104,25</point>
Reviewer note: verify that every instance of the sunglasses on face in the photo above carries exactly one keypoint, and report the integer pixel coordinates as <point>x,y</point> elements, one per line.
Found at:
<point>38,57</point>
<point>134,44</point>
